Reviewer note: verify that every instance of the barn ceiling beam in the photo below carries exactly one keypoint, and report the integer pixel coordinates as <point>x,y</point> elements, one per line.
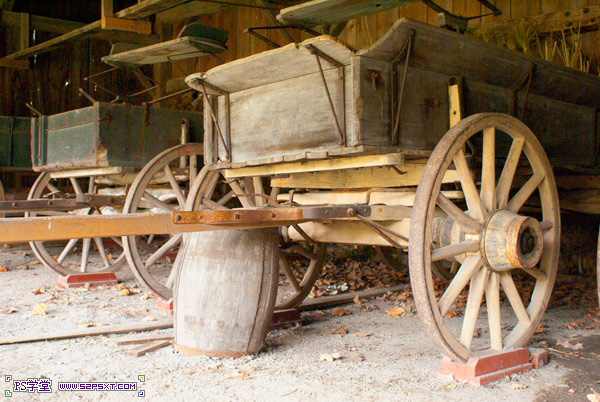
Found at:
<point>44,24</point>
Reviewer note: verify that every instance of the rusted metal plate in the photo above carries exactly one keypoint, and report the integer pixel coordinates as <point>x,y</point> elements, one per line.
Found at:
<point>101,200</point>
<point>40,205</point>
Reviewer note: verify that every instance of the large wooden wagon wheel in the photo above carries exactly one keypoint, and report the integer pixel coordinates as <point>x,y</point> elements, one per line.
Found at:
<point>78,255</point>
<point>301,263</point>
<point>161,186</point>
<point>497,245</point>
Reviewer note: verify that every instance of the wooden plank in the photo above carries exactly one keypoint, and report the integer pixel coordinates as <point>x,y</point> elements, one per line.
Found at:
<point>107,8</point>
<point>149,347</point>
<point>141,27</point>
<point>11,63</point>
<point>189,10</point>
<point>24,31</point>
<point>380,176</point>
<point>147,8</point>
<point>39,23</point>
<point>92,331</point>
<point>143,339</point>
<point>330,12</point>
<point>347,298</point>
<point>317,165</point>
<point>93,29</point>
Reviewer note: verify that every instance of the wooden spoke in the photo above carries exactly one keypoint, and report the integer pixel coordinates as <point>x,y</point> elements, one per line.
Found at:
<point>283,264</point>
<point>245,201</point>
<point>66,250</point>
<point>468,186</point>
<point>508,173</point>
<point>300,250</point>
<point>274,193</point>
<point>102,251</point>
<point>175,186</point>
<point>446,252</point>
<point>152,200</point>
<point>52,188</point>
<point>173,241</point>
<point>536,273</point>
<point>511,292</point>
<point>476,289</point>
<point>85,253</point>
<point>546,225</point>
<point>488,170</point>
<point>258,189</point>
<point>172,276</point>
<point>210,204</point>
<point>226,198</point>
<point>492,301</point>
<point>525,192</point>
<point>468,224</point>
<point>469,268</point>
<point>76,186</point>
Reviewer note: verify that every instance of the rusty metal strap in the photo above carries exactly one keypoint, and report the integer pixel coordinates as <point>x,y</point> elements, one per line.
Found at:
<point>318,56</point>
<point>214,119</point>
<point>273,215</point>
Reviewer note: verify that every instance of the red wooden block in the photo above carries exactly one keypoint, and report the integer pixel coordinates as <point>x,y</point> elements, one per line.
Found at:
<point>284,318</point>
<point>488,366</point>
<point>165,305</point>
<point>79,280</point>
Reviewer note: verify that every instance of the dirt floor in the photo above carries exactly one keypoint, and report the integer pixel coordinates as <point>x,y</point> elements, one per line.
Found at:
<point>365,355</point>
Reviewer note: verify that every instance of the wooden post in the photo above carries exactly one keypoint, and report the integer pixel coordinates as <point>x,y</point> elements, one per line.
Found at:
<point>24,31</point>
<point>107,8</point>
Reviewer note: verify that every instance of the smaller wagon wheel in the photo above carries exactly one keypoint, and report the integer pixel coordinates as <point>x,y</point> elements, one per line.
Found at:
<point>161,186</point>
<point>78,255</point>
<point>301,263</point>
<point>497,245</point>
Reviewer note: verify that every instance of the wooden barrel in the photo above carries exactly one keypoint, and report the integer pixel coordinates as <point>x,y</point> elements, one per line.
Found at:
<point>225,292</point>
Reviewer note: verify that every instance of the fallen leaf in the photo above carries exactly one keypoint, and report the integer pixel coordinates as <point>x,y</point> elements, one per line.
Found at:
<point>109,257</point>
<point>34,263</point>
<point>358,301</point>
<point>519,386</point>
<point>450,314</point>
<point>147,296</point>
<point>357,358</point>
<point>244,376</point>
<point>2,269</point>
<point>339,331</point>
<point>8,311</point>
<point>396,312</point>
<point>340,311</point>
<point>25,254</point>
<point>124,292</point>
<point>569,345</point>
<point>539,330</point>
<point>330,357</point>
<point>364,335</point>
<point>40,309</point>
<point>37,292</point>
<point>119,286</point>
<point>450,386</point>
<point>572,391</point>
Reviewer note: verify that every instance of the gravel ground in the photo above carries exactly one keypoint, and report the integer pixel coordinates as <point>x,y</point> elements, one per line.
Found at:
<point>396,362</point>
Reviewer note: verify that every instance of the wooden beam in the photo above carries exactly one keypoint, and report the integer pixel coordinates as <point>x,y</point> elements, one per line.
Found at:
<point>148,347</point>
<point>118,24</point>
<point>346,298</point>
<point>38,23</point>
<point>24,31</point>
<point>107,8</point>
<point>147,8</point>
<point>91,30</point>
<point>272,17</point>
<point>78,333</point>
<point>189,10</point>
<point>143,339</point>
<point>12,63</point>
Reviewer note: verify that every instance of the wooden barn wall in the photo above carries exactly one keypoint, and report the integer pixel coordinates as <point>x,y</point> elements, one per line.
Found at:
<point>53,82</point>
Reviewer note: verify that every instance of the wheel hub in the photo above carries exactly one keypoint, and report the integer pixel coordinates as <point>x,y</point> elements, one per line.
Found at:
<point>510,241</point>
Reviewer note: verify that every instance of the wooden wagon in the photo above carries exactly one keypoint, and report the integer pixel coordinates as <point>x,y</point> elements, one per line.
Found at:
<point>89,157</point>
<point>427,140</point>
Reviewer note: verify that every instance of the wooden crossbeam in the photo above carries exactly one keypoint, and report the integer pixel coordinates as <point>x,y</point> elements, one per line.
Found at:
<point>11,63</point>
<point>39,23</point>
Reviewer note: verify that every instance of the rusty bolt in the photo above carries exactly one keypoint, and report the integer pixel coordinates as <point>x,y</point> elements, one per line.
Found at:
<point>178,218</point>
<point>111,199</point>
<point>236,216</point>
<point>14,204</point>
<point>49,203</point>
<point>351,212</point>
<point>272,214</point>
